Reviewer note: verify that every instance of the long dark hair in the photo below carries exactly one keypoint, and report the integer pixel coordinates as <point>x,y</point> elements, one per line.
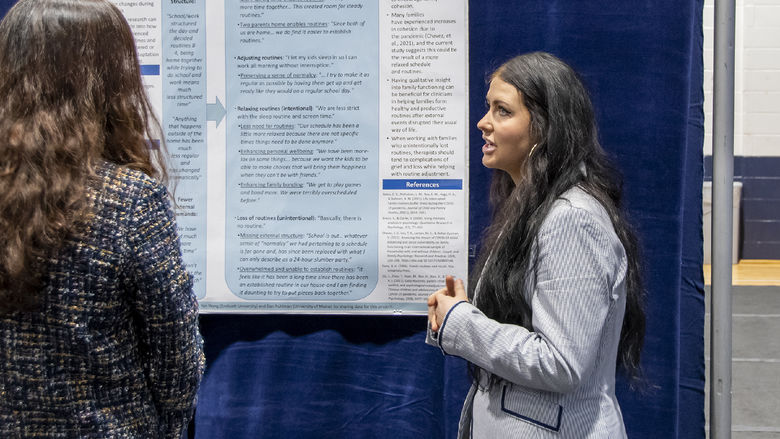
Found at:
<point>563,125</point>
<point>71,97</point>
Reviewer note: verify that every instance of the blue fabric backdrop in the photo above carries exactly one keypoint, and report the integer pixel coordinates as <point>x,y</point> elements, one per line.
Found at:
<point>308,376</point>
<point>372,377</point>
<point>642,62</point>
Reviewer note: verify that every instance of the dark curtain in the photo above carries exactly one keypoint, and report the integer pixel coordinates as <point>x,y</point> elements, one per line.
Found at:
<point>308,376</point>
<point>642,62</point>
<point>347,376</point>
<point>691,316</point>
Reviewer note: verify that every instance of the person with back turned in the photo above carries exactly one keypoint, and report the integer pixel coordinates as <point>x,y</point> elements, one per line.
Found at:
<point>98,320</point>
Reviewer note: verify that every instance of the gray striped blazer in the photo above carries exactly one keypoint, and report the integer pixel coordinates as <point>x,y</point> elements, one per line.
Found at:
<point>558,381</point>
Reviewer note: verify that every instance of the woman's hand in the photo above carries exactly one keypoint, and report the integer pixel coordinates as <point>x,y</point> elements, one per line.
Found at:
<point>440,302</point>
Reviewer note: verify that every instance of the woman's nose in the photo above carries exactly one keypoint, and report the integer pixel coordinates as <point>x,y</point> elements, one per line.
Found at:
<point>483,124</point>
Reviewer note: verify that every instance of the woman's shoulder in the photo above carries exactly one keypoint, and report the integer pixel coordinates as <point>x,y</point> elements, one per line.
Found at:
<point>577,205</point>
<point>126,182</point>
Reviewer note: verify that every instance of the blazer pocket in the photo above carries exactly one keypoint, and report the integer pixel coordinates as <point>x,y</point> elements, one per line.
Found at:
<point>531,406</point>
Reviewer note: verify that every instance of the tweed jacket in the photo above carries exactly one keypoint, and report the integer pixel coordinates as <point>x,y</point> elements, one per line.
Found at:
<point>558,380</point>
<point>114,350</point>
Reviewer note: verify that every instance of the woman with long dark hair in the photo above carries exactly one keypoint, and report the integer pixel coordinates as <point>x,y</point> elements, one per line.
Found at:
<point>98,321</point>
<point>555,302</point>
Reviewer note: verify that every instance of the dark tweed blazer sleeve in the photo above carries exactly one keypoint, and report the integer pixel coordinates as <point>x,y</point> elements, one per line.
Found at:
<point>167,309</point>
<point>572,291</point>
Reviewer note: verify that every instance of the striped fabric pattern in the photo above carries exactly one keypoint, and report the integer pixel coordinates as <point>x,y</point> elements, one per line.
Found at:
<point>115,350</point>
<point>558,381</point>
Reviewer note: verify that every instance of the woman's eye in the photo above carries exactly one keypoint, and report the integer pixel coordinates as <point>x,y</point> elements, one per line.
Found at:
<point>502,111</point>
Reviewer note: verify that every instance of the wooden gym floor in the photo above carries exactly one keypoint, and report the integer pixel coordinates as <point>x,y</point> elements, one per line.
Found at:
<point>751,272</point>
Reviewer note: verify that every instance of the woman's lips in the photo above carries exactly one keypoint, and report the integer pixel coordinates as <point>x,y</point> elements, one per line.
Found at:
<point>488,148</point>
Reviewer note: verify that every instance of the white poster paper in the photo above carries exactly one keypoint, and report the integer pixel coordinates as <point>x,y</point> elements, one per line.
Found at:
<point>318,148</point>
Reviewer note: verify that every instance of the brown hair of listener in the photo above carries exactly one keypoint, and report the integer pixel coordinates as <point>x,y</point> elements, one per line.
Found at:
<point>71,96</point>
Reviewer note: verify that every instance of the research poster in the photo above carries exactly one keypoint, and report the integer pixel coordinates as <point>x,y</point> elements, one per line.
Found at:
<point>317,148</point>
